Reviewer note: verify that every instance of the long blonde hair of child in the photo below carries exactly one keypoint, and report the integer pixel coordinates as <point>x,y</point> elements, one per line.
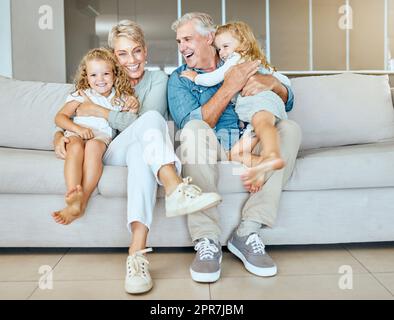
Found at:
<point>122,83</point>
<point>249,48</point>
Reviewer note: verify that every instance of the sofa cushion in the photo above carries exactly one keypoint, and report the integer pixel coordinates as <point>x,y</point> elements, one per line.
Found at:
<point>361,166</point>
<point>30,172</point>
<point>343,109</point>
<point>40,172</point>
<point>27,112</point>
<point>348,167</point>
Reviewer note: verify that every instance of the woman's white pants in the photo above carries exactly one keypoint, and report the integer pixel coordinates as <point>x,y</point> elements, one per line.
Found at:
<point>144,147</point>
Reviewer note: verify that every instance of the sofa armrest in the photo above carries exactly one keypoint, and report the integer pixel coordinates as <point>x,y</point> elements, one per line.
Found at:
<point>392,95</point>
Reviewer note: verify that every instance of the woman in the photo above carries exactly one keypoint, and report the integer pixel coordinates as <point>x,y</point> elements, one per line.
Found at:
<point>143,146</point>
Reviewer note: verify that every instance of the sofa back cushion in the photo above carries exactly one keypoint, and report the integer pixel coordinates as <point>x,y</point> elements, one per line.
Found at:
<point>343,109</point>
<point>27,112</point>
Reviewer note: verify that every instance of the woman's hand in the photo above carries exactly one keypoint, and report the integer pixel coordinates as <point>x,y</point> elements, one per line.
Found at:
<point>60,142</point>
<point>131,105</point>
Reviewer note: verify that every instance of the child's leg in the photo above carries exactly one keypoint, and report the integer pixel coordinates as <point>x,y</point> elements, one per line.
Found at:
<point>73,162</point>
<point>73,177</point>
<point>92,168</point>
<point>242,151</point>
<point>264,126</point>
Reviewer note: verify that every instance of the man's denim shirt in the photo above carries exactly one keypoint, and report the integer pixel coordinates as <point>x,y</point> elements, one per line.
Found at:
<point>185,100</point>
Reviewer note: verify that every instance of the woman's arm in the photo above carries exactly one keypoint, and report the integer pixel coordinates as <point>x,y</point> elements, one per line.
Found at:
<point>155,99</point>
<point>63,120</point>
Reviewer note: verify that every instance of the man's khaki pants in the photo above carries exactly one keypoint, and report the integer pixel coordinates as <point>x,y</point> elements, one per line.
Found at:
<point>200,152</point>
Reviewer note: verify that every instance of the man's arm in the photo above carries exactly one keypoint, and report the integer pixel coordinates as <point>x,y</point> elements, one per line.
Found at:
<point>234,81</point>
<point>261,82</point>
<point>184,106</point>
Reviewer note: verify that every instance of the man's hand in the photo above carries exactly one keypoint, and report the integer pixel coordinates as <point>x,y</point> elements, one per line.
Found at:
<point>260,82</point>
<point>60,143</point>
<point>236,77</point>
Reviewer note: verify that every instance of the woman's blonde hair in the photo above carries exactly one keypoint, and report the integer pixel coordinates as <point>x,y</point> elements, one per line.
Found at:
<point>248,48</point>
<point>128,29</point>
<point>122,83</point>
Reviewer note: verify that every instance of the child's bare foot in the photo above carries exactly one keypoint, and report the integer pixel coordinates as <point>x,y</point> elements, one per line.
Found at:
<point>253,177</point>
<point>74,208</point>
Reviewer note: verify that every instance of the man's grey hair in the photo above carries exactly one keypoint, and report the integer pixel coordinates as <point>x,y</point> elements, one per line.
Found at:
<point>204,22</point>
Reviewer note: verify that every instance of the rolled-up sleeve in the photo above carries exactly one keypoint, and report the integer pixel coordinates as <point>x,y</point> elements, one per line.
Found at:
<point>290,98</point>
<point>121,120</point>
<point>183,105</point>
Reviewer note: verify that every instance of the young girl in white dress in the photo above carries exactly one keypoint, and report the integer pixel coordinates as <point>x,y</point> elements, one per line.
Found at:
<point>102,80</point>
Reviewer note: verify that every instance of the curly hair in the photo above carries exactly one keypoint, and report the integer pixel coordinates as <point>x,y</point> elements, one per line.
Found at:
<point>122,83</point>
<point>249,48</point>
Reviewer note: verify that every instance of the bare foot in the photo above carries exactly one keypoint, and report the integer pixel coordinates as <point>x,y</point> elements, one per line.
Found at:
<point>253,177</point>
<point>73,210</point>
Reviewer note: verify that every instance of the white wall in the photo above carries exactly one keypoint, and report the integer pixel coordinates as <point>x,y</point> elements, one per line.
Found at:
<point>5,39</point>
<point>38,54</point>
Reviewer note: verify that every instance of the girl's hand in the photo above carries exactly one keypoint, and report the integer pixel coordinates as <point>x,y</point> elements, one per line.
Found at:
<point>60,143</point>
<point>131,105</point>
<point>85,133</point>
<point>189,74</point>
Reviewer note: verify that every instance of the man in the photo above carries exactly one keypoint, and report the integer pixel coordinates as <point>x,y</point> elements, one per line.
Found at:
<point>208,122</point>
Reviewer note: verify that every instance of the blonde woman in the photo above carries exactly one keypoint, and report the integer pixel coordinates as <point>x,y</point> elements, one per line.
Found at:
<point>236,43</point>
<point>129,149</point>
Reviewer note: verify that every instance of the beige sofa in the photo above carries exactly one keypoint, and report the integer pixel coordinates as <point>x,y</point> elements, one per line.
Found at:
<point>342,189</point>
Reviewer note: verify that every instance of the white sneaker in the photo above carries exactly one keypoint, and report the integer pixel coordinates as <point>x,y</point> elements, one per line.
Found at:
<point>188,198</point>
<point>138,279</point>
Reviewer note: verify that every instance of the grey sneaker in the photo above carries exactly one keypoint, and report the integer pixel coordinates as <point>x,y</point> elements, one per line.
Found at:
<point>251,250</point>
<point>206,264</point>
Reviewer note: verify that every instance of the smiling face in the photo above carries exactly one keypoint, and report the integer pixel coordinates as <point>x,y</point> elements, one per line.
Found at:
<point>195,48</point>
<point>100,76</point>
<point>226,44</point>
<point>132,56</point>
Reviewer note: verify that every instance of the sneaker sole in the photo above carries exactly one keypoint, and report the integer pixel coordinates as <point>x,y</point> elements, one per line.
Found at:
<point>206,277</point>
<point>192,209</point>
<point>138,290</point>
<point>261,272</point>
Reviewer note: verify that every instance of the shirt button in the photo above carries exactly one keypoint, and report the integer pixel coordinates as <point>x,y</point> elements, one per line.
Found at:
<point>200,91</point>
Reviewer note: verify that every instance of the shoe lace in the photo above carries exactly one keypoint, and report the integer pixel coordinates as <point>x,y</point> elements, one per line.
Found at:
<point>136,264</point>
<point>190,190</point>
<point>256,242</point>
<point>206,249</point>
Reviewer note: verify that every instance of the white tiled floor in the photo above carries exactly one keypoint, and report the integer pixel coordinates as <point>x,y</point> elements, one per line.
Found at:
<point>305,272</point>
